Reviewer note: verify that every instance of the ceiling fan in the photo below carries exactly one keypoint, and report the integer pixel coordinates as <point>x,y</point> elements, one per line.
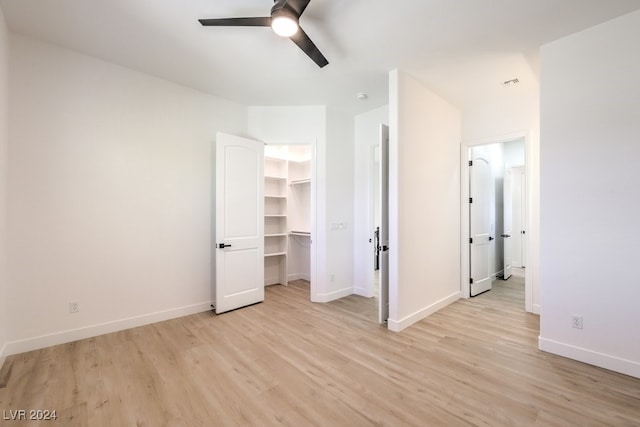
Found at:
<point>284,20</point>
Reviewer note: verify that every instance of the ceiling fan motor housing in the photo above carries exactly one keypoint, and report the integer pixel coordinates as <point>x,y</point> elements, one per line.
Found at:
<point>282,9</point>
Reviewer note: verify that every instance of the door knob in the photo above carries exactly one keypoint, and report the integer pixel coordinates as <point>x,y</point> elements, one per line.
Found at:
<point>222,246</point>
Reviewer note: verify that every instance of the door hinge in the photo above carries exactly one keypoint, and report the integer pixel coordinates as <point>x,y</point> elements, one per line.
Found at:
<point>470,162</point>
<point>470,199</point>
<point>470,240</point>
<point>471,280</point>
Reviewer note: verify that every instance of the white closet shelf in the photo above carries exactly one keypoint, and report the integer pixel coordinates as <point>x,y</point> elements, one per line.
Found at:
<point>276,235</point>
<point>300,233</point>
<point>301,181</point>
<point>274,196</point>
<point>275,178</point>
<point>300,161</point>
<point>275,216</point>
<point>275,254</point>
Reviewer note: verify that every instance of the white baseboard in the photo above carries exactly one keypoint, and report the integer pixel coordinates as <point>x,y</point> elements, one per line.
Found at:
<point>299,276</point>
<point>535,308</point>
<point>331,296</point>
<point>362,292</point>
<point>398,325</point>
<point>607,361</point>
<point>35,343</point>
<point>268,281</point>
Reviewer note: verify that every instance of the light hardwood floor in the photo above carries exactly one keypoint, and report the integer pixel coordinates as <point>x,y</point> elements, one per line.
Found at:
<point>289,362</point>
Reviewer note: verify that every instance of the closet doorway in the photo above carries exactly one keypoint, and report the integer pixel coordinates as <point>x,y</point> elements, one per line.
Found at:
<point>289,214</point>
<point>494,215</point>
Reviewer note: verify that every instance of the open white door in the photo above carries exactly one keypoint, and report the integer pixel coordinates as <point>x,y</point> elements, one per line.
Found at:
<point>518,203</point>
<point>383,300</point>
<point>507,230</point>
<point>239,222</point>
<point>480,224</point>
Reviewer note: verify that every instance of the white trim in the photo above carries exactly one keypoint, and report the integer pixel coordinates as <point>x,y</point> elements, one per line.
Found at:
<point>535,309</point>
<point>359,290</point>
<point>465,156</point>
<point>607,361</point>
<point>299,276</point>
<point>398,325</point>
<point>331,296</point>
<point>70,335</point>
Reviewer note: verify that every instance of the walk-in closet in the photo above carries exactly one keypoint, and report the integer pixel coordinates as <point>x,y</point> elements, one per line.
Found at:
<point>287,213</point>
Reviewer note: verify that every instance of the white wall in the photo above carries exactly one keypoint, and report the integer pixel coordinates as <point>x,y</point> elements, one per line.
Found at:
<point>340,205</point>
<point>424,187</point>
<point>110,195</point>
<point>333,134</point>
<point>505,120</point>
<point>4,65</point>
<point>367,136</point>
<point>589,166</point>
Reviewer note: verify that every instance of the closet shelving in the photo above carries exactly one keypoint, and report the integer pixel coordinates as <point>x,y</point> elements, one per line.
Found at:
<point>300,190</point>
<point>287,208</point>
<point>275,216</point>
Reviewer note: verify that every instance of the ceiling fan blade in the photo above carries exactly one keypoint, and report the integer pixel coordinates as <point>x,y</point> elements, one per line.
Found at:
<point>237,22</point>
<point>298,5</point>
<point>304,42</point>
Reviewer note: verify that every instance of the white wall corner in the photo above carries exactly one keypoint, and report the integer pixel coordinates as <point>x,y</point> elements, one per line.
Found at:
<point>361,291</point>
<point>398,325</point>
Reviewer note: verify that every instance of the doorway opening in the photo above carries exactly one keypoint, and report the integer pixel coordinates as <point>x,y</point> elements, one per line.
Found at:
<point>494,216</point>
<point>289,208</point>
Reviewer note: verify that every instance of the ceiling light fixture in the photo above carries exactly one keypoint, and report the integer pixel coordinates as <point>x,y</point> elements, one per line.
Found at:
<point>284,25</point>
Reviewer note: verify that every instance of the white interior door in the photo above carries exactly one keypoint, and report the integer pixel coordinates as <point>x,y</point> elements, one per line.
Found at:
<point>480,224</point>
<point>383,300</point>
<point>239,222</point>
<point>518,205</point>
<point>507,231</point>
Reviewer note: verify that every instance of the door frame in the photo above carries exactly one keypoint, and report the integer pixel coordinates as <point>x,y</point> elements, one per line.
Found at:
<point>315,241</point>
<point>465,156</point>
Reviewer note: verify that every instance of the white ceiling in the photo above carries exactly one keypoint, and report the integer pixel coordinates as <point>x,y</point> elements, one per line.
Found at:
<point>463,49</point>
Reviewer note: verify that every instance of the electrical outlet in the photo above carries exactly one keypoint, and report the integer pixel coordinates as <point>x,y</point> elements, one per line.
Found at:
<point>576,322</point>
<point>74,307</point>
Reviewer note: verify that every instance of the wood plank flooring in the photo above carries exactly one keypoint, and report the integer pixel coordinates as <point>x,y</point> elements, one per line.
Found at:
<point>289,362</point>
